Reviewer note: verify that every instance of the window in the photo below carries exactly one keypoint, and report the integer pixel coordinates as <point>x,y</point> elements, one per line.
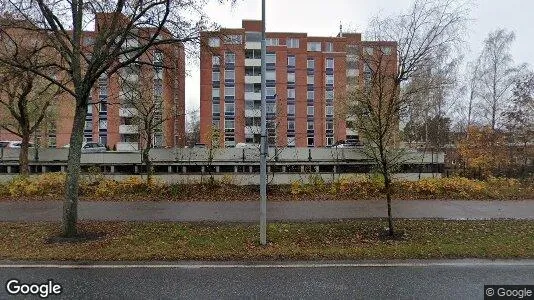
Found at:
<point>89,109</point>
<point>311,141</point>
<point>310,79</point>
<point>291,141</point>
<point>270,91</point>
<point>329,125</point>
<point>215,76</point>
<point>216,124</point>
<point>103,124</point>
<point>253,36</point>
<point>329,141</point>
<point>158,57</point>
<point>291,125</point>
<point>215,61</point>
<point>229,75</point>
<point>291,93</point>
<point>311,95</point>
<point>311,63</point>
<point>329,47</point>
<point>249,88</point>
<point>272,42</point>
<point>368,50</point>
<point>88,41</point>
<point>88,125</point>
<point>270,75</point>
<point>329,111</point>
<point>329,95</point>
<point>215,109</point>
<point>214,42</point>
<point>270,58</point>
<point>103,140</point>
<point>229,125</point>
<point>229,108</point>
<point>291,61</point>
<point>291,77</point>
<point>233,39</point>
<point>249,104</point>
<point>292,43</point>
<point>329,63</point>
<point>103,107</point>
<point>270,108</point>
<point>352,72</point>
<point>329,79</point>
<point>229,91</point>
<point>314,46</point>
<point>215,92</point>
<point>309,125</point>
<point>291,109</point>
<point>229,58</point>
<point>52,141</point>
<point>310,111</point>
<point>386,50</point>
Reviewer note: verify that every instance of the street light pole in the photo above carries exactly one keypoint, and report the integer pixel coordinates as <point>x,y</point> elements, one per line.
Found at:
<point>263,140</point>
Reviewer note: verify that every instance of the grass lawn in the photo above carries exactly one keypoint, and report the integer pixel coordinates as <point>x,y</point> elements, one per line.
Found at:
<point>362,239</point>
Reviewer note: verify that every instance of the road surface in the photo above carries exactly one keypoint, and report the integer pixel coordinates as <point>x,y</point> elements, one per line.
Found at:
<point>337,280</point>
<point>248,211</point>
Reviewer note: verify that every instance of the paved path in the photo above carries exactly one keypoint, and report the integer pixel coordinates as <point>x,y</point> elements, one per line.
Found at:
<point>313,280</point>
<point>248,211</point>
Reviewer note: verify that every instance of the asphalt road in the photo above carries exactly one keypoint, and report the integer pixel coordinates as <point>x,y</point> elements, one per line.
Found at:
<point>248,211</point>
<point>404,280</point>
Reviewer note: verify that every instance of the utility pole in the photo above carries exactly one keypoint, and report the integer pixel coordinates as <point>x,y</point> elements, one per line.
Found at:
<point>263,140</point>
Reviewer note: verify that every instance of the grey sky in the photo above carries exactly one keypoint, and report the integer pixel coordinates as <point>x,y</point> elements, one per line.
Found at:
<point>321,18</point>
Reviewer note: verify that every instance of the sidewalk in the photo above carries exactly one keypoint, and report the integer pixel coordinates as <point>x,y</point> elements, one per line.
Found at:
<point>248,211</point>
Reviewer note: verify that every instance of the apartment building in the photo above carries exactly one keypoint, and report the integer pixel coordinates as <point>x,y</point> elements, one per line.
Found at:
<point>116,112</point>
<point>306,80</point>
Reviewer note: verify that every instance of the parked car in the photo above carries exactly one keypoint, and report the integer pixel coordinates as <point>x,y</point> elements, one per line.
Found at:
<point>91,147</point>
<point>12,144</point>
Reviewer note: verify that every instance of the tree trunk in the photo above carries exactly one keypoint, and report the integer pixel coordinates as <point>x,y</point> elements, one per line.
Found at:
<point>148,165</point>
<point>387,186</point>
<point>70,205</point>
<point>23,155</point>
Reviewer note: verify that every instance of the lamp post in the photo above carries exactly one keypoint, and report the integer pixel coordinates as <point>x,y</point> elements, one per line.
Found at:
<point>263,140</point>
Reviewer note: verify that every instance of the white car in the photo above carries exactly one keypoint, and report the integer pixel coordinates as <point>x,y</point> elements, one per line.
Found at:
<point>91,147</point>
<point>12,144</point>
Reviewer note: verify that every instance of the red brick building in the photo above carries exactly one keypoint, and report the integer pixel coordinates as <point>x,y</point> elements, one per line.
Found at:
<point>110,119</point>
<point>305,77</point>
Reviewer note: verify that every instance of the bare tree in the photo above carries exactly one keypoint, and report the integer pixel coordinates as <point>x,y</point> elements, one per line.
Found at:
<point>26,99</point>
<point>496,74</point>
<point>125,30</point>
<point>378,101</point>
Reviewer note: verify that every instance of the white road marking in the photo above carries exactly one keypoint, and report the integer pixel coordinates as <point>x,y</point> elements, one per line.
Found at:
<point>288,265</point>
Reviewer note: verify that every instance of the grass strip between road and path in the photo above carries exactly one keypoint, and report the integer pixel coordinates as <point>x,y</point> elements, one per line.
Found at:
<point>361,239</point>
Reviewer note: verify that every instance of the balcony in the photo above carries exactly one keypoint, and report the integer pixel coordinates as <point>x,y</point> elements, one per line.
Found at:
<point>253,62</point>
<point>252,113</point>
<point>253,79</point>
<point>128,129</point>
<point>253,45</point>
<point>252,96</point>
<point>127,146</point>
<point>127,112</point>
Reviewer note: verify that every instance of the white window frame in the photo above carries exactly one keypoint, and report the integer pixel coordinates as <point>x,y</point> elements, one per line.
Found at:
<point>215,60</point>
<point>215,111</point>
<point>233,39</point>
<point>328,61</point>
<point>227,89</point>
<point>312,93</point>
<point>310,125</point>
<point>291,93</point>
<point>310,63</point>
<point>328,47</point>
<point>310,111</point>
<point>229,107</point>
<point>229,75</point>
<point>291,125</point>
<point>215,76</point>
<point>291,109</point>
<point>329,111</point>
<point>293,43</point>
<point>291,61</point>
<point>214,42</point>
<point>314,46</point>
<point>227,56</point>
<point>291,77</point>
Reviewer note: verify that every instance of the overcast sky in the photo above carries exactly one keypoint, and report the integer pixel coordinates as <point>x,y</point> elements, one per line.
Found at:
<point>322,18</point>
